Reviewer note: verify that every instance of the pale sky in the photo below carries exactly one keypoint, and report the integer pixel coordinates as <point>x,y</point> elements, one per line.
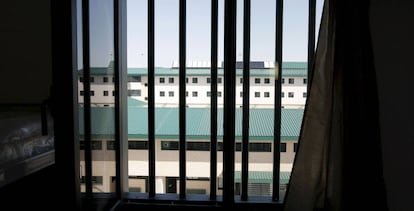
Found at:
<point>295,31</point>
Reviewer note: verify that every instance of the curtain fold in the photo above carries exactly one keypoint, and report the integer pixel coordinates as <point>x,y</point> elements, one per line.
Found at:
<point>338,164</point>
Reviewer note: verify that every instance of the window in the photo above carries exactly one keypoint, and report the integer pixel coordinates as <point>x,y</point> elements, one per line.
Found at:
<point>105,80</point>
<point>282,94</point>
<point>105,93</point>
<point>137,145</point>
<point>295,147</point>
<point>305,81</point>
<point>95,145</point>
<point>283,80</point>
<point>196,145</point>
<point>134,92</point>
<point>305,94</point>
<point>92,93</point>
<point>92,79</point>
<point>291,80</point>
<point>291,94</point>
<point>81,79</point>
<point>81,93</point>
<point>134,78</point>
<point>282,147</point>
<point>113,93</point>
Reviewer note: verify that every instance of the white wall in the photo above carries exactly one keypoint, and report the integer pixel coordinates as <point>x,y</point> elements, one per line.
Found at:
<point>25,55</point>
<point>392,26</point>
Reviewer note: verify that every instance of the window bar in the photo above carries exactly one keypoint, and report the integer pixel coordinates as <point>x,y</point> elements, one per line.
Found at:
<point>120,97</point>
<point>151,99</point>
<point>311,39</point>
<point>213,100</point>
<point>87,99</point>
<point>182,114</point>
<point>246,100</point>
<point>278,100</point>
<point>230,11</point>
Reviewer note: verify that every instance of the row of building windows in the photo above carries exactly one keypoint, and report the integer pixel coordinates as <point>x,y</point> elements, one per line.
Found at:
<point>193,80</point>
<point>137,92</point>
<point>191,146</point>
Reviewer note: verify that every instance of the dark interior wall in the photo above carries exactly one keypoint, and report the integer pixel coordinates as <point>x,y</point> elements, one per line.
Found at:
<point>392,26</point>
<point>25,54</point>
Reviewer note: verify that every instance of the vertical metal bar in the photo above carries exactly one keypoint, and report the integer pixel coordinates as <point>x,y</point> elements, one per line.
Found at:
<point>87,99</point>
<point>311,39</point>
<point>151,99</point>
<point>230,11</point>
<point>278,100</point>
<point>64,99</point>
<point>182,114</point>
<point>120,73</point>
<point>213,100</point>
<point>246,98</point>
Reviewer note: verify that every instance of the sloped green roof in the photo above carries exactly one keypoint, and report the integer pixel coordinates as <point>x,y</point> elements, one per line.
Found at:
<point>262,177</point>
<point>288,69</point>
<point>198,123</point>
<point>135,103</point>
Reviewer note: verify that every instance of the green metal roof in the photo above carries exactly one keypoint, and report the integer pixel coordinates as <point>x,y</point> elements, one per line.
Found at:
<point>262,177</point>
<point>136,103</point>
<point>293,69</point>
<point>198,123</point>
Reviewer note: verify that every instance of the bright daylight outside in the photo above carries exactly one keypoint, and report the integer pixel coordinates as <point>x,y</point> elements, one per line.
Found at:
<point>198,94</point>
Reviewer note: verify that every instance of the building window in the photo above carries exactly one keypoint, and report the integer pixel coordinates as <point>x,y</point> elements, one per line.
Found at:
<point>260,147</point>
<point>134,78</point>
<point>162,80</point>
<point>195,94</point>
<point>208,80</point>
<point>113,93</point>
<point>92,93</point>
<point>305,81</point>
<point>137,145</point>
<point>162,93</point>
<point>305,94</point>
<point>97,180</point>
<point>241,80</point>
<point>171,80</point>
<point>218,94</point>
<point>81,79</point>
<point>195,80</point>
<point>113,79</point>
<point>241,94</point>
<point>105,93</point>
<point>295,147</point>
<point>266,94</point>
<point>110,145</point>
<point>291,80</point>
<point>82,93</point>
<point>95,145</point>
<point>208,94</point>
<point>198,146</point>
<point>186,80</point>
<point>219,80</point>
<point>283,80</point>
<point>282,94</point>
<point>257,80</point>
<point>291,94</point>
<point>105,79</point>
<point>171,93</point>
<point>186,93</point>
<point>282,147</point>
<point>134,92</point>
<point>267,80</point>
<point>169,145</point>
<point>92,79</point>
<point>257,94</point>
